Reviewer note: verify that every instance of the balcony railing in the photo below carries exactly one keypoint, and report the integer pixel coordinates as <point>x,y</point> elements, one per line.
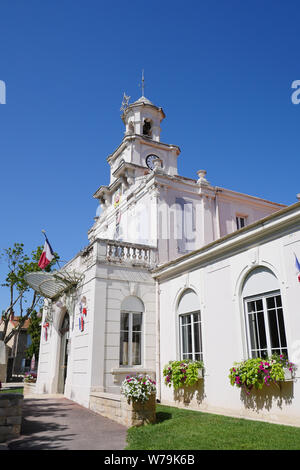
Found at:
<point>113,251</point>
<point>130,252</point>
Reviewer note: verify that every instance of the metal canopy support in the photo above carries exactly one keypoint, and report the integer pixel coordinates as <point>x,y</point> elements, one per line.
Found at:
<point>51,285</point>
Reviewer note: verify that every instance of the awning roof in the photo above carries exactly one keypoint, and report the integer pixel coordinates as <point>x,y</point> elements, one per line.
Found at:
<point>52,284</point>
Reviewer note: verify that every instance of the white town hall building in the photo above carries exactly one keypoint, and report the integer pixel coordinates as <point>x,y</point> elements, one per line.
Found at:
<point>169,272</point>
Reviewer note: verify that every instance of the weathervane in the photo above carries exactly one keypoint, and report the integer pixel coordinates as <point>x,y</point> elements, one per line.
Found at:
<point>125,102</point>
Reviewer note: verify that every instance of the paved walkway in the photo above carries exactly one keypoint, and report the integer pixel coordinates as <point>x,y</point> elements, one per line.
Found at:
<point>54,422</point>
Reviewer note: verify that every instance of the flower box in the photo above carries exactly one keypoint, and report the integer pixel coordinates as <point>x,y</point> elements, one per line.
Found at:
<point>288,374</point>
<point>184,373</point>
<point>258,372</point>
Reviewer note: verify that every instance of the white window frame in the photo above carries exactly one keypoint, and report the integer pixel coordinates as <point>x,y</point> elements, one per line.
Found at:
<point>193,352</point>
<point>238,219</point>
<point>130,332</point>
<point>263,297</point>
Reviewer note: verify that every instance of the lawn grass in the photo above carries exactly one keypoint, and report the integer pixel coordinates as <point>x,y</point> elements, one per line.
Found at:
<point>12,390</point>
<point>178,429</point>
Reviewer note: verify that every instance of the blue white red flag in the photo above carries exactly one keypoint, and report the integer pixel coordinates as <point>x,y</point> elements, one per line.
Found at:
<point>46,256</point>
<point>297,266</point>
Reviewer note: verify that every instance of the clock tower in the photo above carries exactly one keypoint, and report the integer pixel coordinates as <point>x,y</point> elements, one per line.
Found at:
<point>135,165</point>
<point>141,148</point>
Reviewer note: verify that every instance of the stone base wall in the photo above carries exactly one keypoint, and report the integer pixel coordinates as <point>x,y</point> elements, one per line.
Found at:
<point>3,371</point>
<point>11,407</point>
<point>117,408</point>
<point>29,388</point>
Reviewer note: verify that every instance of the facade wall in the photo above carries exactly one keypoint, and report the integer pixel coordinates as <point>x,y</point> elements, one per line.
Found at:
<point>218,284</point>
<point>94,352</point>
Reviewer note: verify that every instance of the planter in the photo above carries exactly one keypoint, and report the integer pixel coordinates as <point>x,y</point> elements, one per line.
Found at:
<point>29,388</point>
<point>137,413</point>
<point>288,375</point>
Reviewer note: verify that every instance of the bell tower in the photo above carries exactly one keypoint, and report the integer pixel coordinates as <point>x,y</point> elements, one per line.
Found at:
<point>143,118</point>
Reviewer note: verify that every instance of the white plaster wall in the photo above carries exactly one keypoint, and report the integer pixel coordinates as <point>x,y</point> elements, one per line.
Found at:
<point>121,283</point>
<point>218,285</point>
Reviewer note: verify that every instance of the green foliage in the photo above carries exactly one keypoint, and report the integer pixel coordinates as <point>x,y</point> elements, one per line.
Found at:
<point>34,330</point>
<point>23,300</point>
<point>257,372</point>
<point>182,373</point>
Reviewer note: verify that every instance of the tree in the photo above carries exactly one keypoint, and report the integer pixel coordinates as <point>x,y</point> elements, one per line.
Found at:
<point>34,330</point>
<point>23,300</point>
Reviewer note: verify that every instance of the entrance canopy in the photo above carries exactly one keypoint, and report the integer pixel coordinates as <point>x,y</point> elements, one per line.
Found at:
<point>52,284</point>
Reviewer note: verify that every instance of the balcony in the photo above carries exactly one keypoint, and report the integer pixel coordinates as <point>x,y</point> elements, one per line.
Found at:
<point>119,252</point>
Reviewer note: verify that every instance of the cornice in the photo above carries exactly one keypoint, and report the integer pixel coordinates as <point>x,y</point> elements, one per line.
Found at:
<point>144,141</point>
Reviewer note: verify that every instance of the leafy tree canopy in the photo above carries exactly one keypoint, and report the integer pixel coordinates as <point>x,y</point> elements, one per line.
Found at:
<point>23,301</point>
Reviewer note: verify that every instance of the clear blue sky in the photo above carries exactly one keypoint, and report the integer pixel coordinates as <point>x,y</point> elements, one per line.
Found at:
<point>221,70</point>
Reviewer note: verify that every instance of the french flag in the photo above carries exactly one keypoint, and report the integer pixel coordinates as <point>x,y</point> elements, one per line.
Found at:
<point>297,266</point>
<point>46,256</point>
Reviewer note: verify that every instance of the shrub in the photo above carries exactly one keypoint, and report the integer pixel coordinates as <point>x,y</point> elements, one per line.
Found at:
<point>182,373</point>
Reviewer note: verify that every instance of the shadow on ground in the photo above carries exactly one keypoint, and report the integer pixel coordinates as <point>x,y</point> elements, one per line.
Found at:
<point>41,426</point>
<point>60,424</point>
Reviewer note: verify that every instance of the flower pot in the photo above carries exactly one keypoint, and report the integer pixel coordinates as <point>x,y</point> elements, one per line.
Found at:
<point>288,374</point>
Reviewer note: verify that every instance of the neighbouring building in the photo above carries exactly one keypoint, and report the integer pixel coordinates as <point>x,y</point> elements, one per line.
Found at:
<point>16,361</point>
<point>175,268</point>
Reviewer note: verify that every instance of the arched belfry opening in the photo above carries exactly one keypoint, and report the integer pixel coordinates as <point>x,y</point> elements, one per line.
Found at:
<point>64,351</point>
<point>147,128</point>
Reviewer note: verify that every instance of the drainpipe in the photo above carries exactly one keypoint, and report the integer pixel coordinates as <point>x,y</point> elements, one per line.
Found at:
<point>158,381</point>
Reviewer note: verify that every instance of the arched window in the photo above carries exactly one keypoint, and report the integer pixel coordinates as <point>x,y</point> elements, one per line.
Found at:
<point>131,325</point>
<point>264,314</point>
<point>190,328</point>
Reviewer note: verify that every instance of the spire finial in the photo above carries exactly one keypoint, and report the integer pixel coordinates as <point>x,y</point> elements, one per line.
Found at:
<point>142,85</point>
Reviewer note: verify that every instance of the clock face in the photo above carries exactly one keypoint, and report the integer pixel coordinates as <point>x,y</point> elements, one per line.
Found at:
<point>150,161</point>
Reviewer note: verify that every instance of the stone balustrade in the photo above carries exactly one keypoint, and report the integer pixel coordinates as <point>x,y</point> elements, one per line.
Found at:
<point>125,252</point>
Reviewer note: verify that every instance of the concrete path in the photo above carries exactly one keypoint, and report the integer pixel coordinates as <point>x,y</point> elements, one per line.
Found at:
<point>52,422</point>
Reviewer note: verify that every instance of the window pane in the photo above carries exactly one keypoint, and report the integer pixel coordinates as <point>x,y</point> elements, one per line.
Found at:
<point>258,339</point>
<point>124,321</point>
<point>187,356</point>
<point>136,349</point>
<point>186,319</point>
<point>198,357</point>
<point>274,337</point>
<point>186,339</point>
<point>251,307</point>
<point>197,337</point>
<point>136,322</point>
<point>270,302</point>
<point>196,317</point>
<point>124,348</point>
<point>281,328</point>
